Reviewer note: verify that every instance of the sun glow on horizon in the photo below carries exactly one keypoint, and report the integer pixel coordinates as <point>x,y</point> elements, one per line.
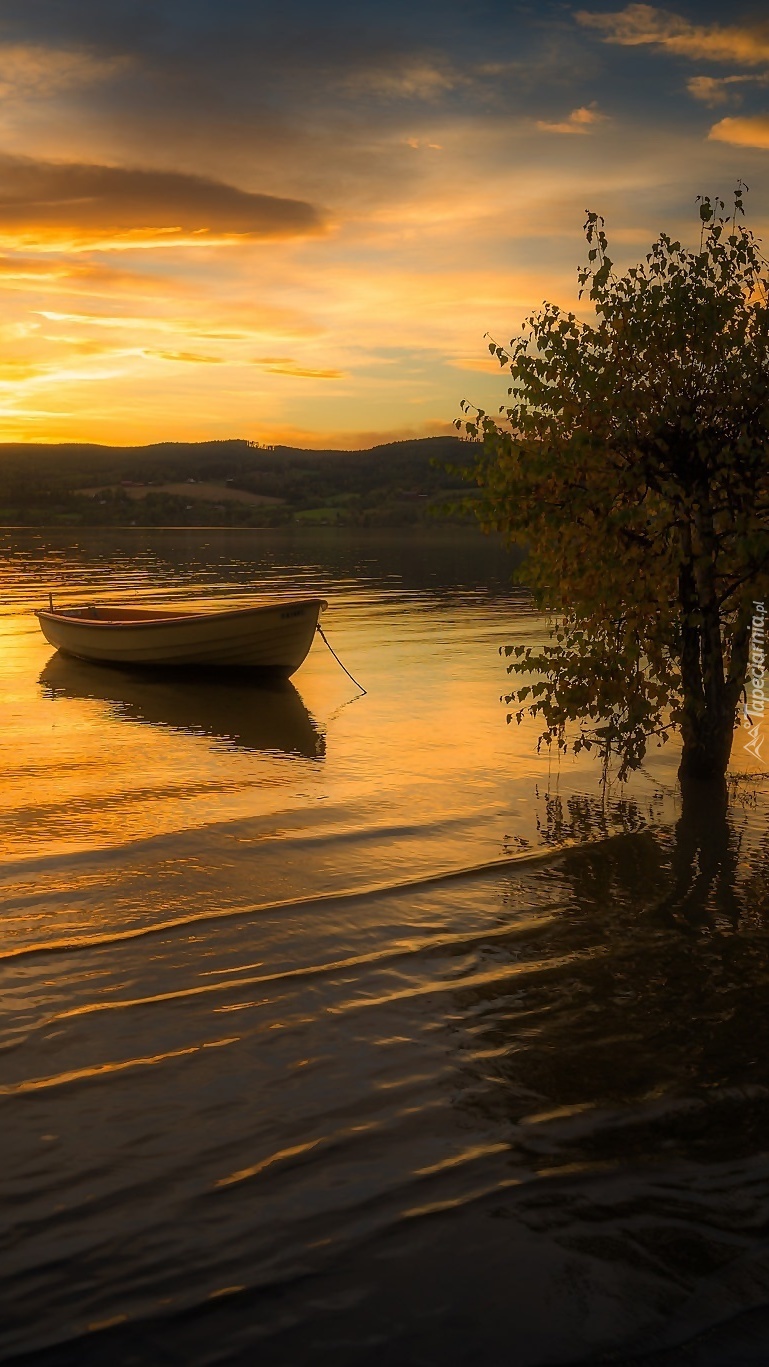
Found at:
<point>326,275</point>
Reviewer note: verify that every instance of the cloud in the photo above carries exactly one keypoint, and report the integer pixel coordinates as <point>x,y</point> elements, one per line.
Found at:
<point>749,132</point>
<point>261,322</point>
<point>31,69</point>
<point>369,327</point>
<point>579,121</point>
<point>284,365</point>
<point>73,275</point>
<point>409,80</point>
<point>715,90</point>
<point>14,371</point>
<point>639,25</point>
<point>215,321</point>
<point>74,204</point>
<point>101,320</point>
<point>194,357</point>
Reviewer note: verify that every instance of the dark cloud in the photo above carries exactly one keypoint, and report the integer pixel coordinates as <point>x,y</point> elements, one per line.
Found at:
<point>108,200</point>
<point>279,64</point>
<point>318,101</point>
<point>297,98</point>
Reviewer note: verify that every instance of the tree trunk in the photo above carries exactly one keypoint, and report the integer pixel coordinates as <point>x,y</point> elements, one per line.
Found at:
<point>710,705</point>
<point>708,736</point>
<point>710,696</point>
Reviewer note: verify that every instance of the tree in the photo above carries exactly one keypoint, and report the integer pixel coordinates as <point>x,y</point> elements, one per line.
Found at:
<point>633,463</point>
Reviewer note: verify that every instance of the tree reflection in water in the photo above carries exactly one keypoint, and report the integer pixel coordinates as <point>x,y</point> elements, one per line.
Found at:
<point>705,858</point>
<point>626,1066</point>
<point>650,979</point>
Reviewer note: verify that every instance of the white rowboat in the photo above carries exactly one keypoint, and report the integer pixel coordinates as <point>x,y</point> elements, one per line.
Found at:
<point>274,637</point>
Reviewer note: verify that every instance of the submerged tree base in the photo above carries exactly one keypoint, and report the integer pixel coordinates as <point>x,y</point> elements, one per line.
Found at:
<point>705,760</point>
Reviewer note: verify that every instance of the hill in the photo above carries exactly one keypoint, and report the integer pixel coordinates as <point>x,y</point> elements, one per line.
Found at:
<point>229,483</point>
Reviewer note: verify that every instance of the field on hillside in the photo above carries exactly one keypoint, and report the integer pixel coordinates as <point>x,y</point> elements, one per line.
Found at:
<point>201,490</point>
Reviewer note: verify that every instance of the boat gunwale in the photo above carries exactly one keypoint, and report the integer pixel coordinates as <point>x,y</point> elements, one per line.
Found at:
<point>183,618</point>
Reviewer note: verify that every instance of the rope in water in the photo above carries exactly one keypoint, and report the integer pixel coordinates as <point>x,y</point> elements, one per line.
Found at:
<point>339,662</point>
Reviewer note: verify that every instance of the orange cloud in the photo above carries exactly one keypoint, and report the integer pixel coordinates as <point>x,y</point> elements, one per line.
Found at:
<point>714,90</point>
<point>31,69</point>
<point>422,80</point>
<point>284,365</point>
<point>748,132</point>
<point>579,121</point>
<point>254,322</point>
<point>335,339</point>
<point>19,370</point>
<point>637,25</point>
<point>192,356</point>
<point>108,320</point>
<point>62,275</point>
<point>51,205</point>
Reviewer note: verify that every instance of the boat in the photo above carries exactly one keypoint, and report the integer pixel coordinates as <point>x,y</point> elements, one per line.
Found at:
<point>245,712</point>
<point>273,637</point>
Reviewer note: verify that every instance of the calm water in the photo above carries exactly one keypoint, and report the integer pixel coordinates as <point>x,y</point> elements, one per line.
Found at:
<point>348,1029</point>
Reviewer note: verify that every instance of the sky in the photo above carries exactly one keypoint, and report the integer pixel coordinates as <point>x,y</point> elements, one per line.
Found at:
<point>300,222</point>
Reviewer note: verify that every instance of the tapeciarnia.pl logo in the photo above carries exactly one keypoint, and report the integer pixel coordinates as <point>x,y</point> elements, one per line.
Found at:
<point>755,705</point>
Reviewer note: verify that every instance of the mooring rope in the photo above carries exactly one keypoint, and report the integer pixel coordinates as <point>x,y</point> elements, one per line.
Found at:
<point>339,662</point>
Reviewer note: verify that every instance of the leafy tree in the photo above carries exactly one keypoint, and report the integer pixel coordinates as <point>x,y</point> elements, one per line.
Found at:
<point>633,463</point>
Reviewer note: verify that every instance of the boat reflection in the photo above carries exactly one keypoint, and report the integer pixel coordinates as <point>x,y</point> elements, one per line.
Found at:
<point>239,712</point>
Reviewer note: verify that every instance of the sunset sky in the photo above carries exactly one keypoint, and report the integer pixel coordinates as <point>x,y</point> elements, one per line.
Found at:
<point>296,222</point>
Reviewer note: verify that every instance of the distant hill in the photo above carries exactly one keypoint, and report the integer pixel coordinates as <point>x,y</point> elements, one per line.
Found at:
<point>222,483</point>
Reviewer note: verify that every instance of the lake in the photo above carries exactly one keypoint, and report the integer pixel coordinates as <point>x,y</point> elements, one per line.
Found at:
<point>349,1028</point>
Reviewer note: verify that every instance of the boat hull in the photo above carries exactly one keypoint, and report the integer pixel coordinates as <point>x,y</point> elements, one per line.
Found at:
<point>274,638</point>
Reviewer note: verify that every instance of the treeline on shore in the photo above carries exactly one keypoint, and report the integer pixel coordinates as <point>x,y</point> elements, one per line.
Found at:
<point>233,483</point>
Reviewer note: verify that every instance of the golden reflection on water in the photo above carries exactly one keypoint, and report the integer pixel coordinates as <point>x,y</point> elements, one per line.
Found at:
<point>104,757</point>
<point>564,1058</point>
<point>129,801</point>
<point>39,1084</point>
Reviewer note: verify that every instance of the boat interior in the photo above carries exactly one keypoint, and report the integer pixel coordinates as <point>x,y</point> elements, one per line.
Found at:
<point>91,613</point>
